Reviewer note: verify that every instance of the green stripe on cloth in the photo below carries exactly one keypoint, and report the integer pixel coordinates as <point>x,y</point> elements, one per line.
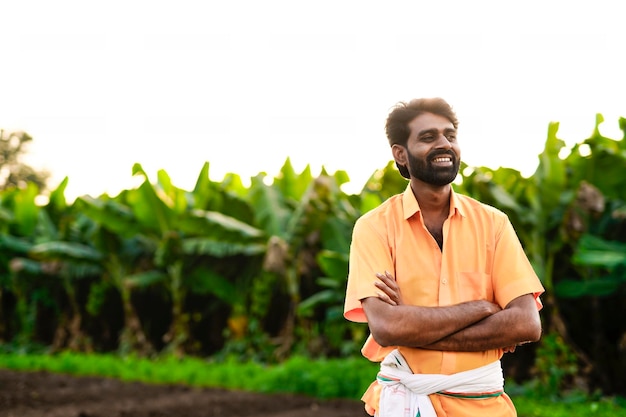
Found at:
<point>471,396</point>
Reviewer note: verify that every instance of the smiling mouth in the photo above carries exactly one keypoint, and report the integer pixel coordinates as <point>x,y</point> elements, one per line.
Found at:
<point>443,161</point>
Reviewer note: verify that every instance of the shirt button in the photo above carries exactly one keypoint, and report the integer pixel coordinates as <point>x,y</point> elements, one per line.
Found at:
<point>444,281</point>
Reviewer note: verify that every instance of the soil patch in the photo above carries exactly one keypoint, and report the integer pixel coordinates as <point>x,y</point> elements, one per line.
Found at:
<point>44,394</point>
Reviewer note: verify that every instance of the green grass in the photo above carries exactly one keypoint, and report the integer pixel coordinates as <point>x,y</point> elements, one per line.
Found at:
<point>297,375</point>
<point>603,407</point>
<point>324,379</point>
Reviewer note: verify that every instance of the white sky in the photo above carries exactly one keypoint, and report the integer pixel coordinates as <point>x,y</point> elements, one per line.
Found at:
<point>245,84</point>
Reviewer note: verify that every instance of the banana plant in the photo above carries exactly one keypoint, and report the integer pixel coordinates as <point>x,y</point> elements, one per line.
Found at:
<point>115,259</point>
<point>33,281</point>
<point>383,184</point>
<point>19,324</point>
<point>300,215</point>
<point>594,284</point>
<point>61,255</point>
<point>553,208</point>
<point>605,263</point>
<point>19,216</point>
<point>338,335</point>
<point>68,263</point>
<point>601,161</point>
<point>189,239</point>
<point>536,207</point>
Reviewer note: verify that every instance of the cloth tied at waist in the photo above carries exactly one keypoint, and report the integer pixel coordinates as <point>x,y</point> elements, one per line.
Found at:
<point>405,394</point>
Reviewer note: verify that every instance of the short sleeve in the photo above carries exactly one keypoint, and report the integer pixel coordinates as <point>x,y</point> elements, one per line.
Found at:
<point>369,254</point>
<point>513,273</point>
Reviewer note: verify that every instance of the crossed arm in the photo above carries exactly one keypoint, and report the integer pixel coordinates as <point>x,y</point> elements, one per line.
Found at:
<point>471,326</point>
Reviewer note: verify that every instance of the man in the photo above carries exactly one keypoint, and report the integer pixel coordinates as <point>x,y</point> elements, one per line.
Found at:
<point>441,279</point>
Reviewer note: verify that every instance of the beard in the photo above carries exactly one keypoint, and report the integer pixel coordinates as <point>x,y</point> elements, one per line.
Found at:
<point>425,171</point>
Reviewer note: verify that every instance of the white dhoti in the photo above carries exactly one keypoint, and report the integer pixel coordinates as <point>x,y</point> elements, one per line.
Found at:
<point>405,394</point>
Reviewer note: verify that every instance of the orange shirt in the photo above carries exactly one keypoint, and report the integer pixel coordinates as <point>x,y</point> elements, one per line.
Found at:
<point>482,258</point>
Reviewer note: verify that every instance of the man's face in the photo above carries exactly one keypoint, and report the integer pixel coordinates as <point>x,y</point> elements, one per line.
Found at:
<point>433,153</point>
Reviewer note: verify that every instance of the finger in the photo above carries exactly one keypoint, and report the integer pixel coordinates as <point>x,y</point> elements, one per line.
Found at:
<point>389,292</point>
<point>382,277</point>
<point>384,297</point>
<point>388,279</point>
<point>391,277</point>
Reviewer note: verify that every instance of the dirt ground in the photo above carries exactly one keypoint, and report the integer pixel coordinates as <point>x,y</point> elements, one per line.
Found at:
<point>42,394</point>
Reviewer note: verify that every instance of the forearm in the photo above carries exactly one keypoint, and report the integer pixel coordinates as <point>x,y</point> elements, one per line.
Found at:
<point>421,326</point>
<point>510,327</point>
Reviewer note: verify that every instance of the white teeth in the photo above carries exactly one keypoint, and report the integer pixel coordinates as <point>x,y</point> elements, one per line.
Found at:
<point>447,159</point>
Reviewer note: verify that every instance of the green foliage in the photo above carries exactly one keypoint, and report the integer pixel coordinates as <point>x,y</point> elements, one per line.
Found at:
<point>345,336</point>
<point>323,379</point>
<point>581,406</point>
<point>605,264</point>
<point>597,252</point>
<point>601,161</point>
<point>556,366</point>
<point>571,200</point>
<point>259,272</point>
<point>97,297</point>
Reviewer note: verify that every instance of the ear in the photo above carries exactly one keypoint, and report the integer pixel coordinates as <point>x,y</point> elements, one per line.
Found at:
<point>399,154</point>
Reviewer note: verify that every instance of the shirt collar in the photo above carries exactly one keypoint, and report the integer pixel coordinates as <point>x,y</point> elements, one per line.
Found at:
<point>410,205</point>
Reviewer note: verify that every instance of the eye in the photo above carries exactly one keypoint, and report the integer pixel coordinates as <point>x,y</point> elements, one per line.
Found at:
<point>451,137</point>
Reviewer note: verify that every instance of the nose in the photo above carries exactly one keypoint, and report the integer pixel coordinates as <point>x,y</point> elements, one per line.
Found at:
<point>443,142</point>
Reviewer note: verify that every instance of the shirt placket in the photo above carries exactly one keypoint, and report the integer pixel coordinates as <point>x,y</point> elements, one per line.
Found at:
<point>445,293</point>
<point>446,297</point>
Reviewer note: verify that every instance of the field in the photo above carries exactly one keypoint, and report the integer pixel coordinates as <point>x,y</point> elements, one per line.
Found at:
<point>43,394</point>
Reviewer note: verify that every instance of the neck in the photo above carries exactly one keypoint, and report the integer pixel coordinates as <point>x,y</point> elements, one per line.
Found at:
<point>431,197</point>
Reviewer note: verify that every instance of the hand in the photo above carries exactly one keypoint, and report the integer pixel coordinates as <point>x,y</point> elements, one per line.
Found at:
<point>389,290</point>
<point>509,349</point>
